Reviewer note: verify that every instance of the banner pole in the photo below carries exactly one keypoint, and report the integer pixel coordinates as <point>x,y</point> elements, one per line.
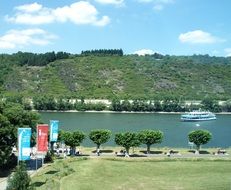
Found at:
<point>42,159</point>
<point>36,164</point>
<point>18,148</point>
<point>36,154</point>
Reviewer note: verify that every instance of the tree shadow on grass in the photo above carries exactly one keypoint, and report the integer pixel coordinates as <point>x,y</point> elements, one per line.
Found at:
<point>52,172</point>
<point>204,152</point>
<point>120,155</point>
<point>38,184</point>
<point>152,152</point>
<point>103,151</point>
<point>137,155</point>
<point>173,151</point>
<point>79,155</point>
<point>132,155</point>
<point>201,151</point>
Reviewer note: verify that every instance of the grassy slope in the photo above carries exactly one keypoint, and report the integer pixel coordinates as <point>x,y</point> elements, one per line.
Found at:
<point>138,174</point>
<point>127,76</point>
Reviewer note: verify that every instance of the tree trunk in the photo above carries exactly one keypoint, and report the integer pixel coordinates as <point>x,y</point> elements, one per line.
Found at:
<point>52,147</point>
<point>198,149</point>
<point>126,152</point>
<point>148,148</point>
<point>98,150</point>
<point>73,150</point>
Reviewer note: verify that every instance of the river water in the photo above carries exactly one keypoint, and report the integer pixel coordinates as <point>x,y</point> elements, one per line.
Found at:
<point>175,131</point>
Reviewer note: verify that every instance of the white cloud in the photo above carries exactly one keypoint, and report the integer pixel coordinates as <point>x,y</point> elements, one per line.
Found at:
<point>143,52</point>
<point>164,1</point>
<point>158,7</point>
<point>29,7</point>
<point>145,1</point>
<point>113,2</point>
<point>158,4</point>
<point>157,1</point>
<point>228,52</point>
<point>22,38</point>
<point>199,37</point>
<point>81,12</point>
<point>31,19</point>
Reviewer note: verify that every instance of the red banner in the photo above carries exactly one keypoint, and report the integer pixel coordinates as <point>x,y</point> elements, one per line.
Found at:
<point>42,138</point>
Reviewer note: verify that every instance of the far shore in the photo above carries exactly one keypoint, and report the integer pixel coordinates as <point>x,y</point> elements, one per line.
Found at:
<point>127,112</point>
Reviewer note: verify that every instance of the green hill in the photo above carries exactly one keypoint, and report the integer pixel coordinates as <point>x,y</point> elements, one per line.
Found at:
<point>129,76</point>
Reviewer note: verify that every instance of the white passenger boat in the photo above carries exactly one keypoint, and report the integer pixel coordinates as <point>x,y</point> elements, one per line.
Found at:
<point>198,115</point>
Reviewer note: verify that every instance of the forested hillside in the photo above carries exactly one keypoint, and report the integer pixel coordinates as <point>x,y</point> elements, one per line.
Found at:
<point>115,75</point>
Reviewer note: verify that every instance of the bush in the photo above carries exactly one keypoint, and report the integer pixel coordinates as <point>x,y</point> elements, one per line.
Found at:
<point>20,180</point>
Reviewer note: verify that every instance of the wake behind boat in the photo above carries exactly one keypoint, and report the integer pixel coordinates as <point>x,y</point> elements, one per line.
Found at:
<point>198,115</point>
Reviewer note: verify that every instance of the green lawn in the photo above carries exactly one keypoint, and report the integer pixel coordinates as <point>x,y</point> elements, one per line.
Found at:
<point>135,173</point>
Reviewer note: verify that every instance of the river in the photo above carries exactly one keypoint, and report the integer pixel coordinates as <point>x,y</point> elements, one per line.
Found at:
<point>175,131</point>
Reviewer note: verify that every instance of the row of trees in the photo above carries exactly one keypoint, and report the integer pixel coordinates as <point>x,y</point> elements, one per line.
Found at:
<point>63,104</point>
<point>66,103</point>
<point>128,139</point>
<point>33,59</point>
<point>101,136</point>
<point>167,106</point>
<point>144,106</point>
<point>103,52</point>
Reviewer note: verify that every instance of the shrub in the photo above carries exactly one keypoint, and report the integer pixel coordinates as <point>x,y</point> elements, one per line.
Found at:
<point>20,180</point>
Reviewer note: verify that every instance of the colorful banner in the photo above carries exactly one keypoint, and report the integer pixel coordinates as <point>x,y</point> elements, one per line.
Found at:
<point>54,130</point>
<point>42,138</point>
<point>24,136</point>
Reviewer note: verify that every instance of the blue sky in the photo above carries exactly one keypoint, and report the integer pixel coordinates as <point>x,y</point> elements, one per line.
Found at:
<point>174,27</point>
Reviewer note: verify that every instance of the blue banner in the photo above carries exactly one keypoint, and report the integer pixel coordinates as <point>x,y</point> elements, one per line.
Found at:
<point>24,136</point>
<point>54,130</point>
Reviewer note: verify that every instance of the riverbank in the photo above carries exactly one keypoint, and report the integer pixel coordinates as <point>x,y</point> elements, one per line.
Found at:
<point>108,111</point>
<point>129,106</point>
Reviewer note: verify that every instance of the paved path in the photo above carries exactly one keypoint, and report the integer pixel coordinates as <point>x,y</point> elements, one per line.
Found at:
<point>3,183</point>
<point>159,155</point>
